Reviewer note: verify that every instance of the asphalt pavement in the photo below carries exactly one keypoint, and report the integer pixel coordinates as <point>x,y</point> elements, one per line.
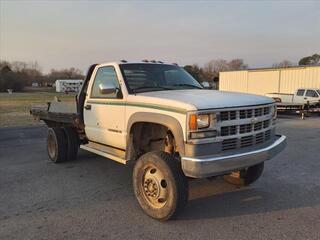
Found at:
<point>92,198</point>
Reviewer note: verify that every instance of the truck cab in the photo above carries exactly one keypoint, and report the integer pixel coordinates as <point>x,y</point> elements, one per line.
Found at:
<point>173,129</point>
<point>304,95</point>
<point>301,96</point>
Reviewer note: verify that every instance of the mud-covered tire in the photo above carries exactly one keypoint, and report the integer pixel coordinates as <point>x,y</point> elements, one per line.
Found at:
<point>246,176</point>
<point>160,175</point>
<point>57,145</point>
<point>72,143</point>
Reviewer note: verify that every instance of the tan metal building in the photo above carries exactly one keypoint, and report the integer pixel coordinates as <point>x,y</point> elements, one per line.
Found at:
<point>270,80</point>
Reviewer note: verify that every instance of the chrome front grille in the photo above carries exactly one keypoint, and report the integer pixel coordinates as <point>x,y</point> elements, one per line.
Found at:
<point>245,127</point>
<point>229,130</point>
<point>228,115</point>
<point>246,141</point>
<point>244,113</point>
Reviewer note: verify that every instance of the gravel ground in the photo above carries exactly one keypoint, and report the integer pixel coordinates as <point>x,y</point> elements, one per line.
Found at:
<point>92,198</point>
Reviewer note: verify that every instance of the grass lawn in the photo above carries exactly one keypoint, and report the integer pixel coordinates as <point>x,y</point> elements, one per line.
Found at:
<point>14,108</point>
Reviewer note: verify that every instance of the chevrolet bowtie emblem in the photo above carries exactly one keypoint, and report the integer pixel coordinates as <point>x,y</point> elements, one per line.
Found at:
<point>254,120</point>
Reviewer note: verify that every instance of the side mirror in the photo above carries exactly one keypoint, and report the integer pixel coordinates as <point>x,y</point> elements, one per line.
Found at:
<point>107,89</point>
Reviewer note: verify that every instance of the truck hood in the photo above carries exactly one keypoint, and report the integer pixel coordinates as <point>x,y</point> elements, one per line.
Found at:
<point>200,99</point>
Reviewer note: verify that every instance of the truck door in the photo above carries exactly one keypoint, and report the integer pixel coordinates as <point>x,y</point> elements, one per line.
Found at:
<point>311,96</point>
<point>104,111</point>
<point>299,97</point>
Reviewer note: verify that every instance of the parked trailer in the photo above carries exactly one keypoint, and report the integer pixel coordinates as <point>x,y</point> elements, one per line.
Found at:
<point>68,85</point>
<point>270,80</point>
<point>304,109</point>
<point>303,101</point>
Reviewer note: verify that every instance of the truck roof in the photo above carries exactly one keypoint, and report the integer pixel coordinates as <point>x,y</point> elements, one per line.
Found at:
<point>136,62</point>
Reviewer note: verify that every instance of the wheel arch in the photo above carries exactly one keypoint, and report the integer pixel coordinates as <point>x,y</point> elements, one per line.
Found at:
<point>170,122</point>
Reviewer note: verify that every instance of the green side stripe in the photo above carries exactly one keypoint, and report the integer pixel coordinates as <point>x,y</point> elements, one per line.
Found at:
<point>143,105</point>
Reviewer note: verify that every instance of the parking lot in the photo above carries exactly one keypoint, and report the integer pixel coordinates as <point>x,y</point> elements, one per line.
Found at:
<point>92,198</point>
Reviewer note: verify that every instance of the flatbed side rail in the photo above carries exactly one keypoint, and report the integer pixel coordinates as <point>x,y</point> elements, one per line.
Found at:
<point>45,115</point>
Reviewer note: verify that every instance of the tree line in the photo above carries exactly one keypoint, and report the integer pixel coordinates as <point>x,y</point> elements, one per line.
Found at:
<point>210,71</point>
<point>16,75</point>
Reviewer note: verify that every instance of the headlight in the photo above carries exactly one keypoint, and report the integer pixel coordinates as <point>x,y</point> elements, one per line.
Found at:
<point>199,121</point>
<point>202,125</point>
<point>203,121</point>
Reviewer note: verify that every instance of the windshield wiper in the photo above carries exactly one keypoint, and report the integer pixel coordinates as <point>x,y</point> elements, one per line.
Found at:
<point>187,85</point>
<point>134,90</point>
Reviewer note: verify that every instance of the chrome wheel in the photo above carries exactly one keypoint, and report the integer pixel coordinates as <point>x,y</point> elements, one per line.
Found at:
<point>52,145</point>
<point>57,144</point>
<point>155,187</point>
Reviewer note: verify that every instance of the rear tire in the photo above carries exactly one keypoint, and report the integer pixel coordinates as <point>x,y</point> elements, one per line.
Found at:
<point>57,145</point>
<point>73,143</point>
<point>246,176</point>
<point>160,185</point>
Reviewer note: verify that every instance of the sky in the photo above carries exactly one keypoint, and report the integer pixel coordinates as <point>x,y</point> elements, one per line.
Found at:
<point>62,34</point>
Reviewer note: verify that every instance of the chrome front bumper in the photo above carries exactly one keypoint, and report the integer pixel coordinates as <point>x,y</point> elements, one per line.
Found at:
<point>214,166</point>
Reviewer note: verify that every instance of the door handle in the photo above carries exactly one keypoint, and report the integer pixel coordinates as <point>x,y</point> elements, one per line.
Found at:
<point>305,98</point>
<point>87,107</point>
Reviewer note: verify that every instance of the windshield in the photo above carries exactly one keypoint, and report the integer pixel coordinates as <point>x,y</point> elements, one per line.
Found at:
<point>142,77</point>
<point>318,92</point>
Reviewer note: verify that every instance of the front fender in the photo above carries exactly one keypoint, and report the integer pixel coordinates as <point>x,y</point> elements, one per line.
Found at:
<point>170,122</point>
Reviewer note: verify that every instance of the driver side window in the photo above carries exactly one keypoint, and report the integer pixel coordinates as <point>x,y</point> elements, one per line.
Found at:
<point>104,76</point>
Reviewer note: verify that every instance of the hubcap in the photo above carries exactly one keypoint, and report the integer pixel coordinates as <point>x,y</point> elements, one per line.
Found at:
<point>154,187</point>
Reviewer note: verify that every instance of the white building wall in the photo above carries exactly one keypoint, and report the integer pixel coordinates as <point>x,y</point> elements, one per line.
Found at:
<point>228,83</point>
<point>263,81</point>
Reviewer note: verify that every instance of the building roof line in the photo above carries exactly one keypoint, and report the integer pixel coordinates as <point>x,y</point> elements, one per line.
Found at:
<point>272,68</point>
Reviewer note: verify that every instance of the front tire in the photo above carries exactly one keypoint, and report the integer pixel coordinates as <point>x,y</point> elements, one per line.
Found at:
<point>160,185</point>
<point>57,145</point>
<point>246,176</point>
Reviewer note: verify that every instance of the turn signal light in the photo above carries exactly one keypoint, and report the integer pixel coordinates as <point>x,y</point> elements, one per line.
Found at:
<point>193,122</point>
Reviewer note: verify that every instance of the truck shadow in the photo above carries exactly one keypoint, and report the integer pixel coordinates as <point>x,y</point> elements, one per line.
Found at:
<point>217,199</point>
<point>211,199</point>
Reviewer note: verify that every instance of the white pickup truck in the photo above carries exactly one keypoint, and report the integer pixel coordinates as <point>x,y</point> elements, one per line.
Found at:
<point>157,116</point>
<point>301,96</point>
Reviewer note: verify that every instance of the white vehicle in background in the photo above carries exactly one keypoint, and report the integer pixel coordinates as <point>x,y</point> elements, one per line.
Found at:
<point>309,96</point>
<point>68,85</point>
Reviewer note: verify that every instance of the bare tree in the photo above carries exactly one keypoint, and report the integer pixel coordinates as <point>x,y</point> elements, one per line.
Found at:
<point>212,68</point>
<point>18,66</point>
<point>71,73</point>
<point>195,71</point>
<point>30,71</point>
<point>4,64</point>
<point>237,64</point>
<point>284,63</point>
